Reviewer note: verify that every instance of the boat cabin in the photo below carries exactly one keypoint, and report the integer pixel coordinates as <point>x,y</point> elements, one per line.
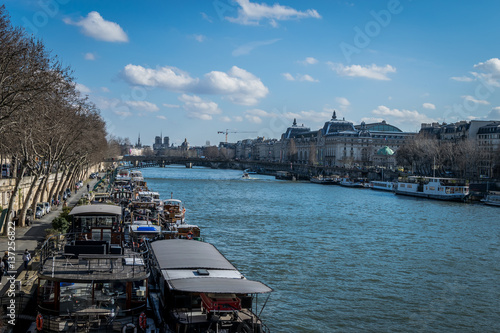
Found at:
<point>90,279</point>
<point>199,289</point>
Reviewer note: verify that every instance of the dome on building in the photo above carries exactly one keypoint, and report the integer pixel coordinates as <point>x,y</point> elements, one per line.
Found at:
<point>335,126</point>
<point>295,130</point>
<point>385,151</point>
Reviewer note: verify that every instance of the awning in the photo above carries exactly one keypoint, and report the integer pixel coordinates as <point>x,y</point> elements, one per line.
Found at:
<point>219,286</point>
<point>186,254</point>
<point>96,210</point>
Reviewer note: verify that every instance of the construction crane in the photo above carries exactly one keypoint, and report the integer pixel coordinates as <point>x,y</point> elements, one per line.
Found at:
<point>228,131</point>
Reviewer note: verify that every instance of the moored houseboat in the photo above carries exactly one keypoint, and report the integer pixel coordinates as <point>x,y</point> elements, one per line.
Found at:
<point>201,291</point>
<point>90,279</point>
<point>381,185</point>
<point>352,182</point>
<point>492,199</point>
<point>325,180</point>
<point>451,189</point>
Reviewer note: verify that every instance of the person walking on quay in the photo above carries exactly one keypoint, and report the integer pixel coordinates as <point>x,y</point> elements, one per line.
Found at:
<point>5,260</point>
<point>2,268</point>
<point>26,258</point>
<point>88,188</point>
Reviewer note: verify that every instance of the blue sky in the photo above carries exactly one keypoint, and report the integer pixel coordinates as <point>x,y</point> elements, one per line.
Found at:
<point>188,69</point>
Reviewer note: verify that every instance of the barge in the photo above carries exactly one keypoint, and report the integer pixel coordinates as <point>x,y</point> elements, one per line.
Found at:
<point>199,290</point>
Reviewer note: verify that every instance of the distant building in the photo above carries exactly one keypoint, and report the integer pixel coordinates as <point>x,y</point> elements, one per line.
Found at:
<point>158,145</point>
<point>340,143</point>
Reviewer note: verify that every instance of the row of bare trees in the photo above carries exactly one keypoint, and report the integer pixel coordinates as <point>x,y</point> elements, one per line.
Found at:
<point>426,155</point>
<point>46,126</point>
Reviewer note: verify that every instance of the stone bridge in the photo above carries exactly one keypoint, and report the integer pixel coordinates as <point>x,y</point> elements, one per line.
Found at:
<point>300,171</point>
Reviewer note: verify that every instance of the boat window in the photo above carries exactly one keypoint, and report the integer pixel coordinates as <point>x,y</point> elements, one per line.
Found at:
<point>139,290</point>
<point>47,293</point>
<point>75,297</point>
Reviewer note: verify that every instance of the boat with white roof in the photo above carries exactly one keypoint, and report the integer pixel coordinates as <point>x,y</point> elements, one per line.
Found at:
<point>451,189</point>
<point>199,290</point>
<point>492,199</point>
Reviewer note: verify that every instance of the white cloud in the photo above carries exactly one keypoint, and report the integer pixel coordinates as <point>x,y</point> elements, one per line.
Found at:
<point>462,78</point>
<point>237,85</point>
<point>172,106</point>
<point>206,17</point>
<point>161,117</point>
<point>307,77</point>
<point>471,99</point>
<point>225,119</point>
<point>309,61</point>
<point>299,77</point>
<point>105,89</point>
<point>488,73</point>
<point>288,76</point>
<point>143,106</point>
<point>371,72</point>
<point>249,47</point>
<point>199,108</point>
<point>253,118</point>
<point>402,117</point>
<point>83,89</point>
<point>238,118</point>
<point>122,113</point>
<point>252,13</point>
<point>200,38</point>
<point>491,66</point>
<point>494,114</point>
<point>343,102</point>
<point>96,27</point>
<point>429,106</point>
<point>170,78</point>
<point>89,56</point>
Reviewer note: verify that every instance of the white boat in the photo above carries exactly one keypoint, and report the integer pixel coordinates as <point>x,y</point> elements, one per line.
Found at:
<point>352,182</point>
<point>382,185</point>
<point>174,211</point>
<point>325,180</point>
<point>250,171</point>
<point>434,188</point>
<point>492,199</point>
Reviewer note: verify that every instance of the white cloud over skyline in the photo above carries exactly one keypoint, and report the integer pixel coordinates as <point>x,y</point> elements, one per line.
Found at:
<point>299,77</point>
<point>370,72</point>
<point>429,106</point>
<point>197,107</point>
<point>143,106</point>
<point>249,47</point>
<point>401,117</point>
<point>251,13</point>
<point>95,26</point>
<point>236,85</point>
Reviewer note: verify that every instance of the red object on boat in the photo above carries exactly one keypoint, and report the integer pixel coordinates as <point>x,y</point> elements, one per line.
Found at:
<point>220,302</point>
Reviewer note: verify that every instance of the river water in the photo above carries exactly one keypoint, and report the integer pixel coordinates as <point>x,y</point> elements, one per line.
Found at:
<point>348,260</point>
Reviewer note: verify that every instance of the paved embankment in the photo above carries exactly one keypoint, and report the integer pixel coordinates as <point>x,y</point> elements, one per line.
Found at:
<point>27,237</point>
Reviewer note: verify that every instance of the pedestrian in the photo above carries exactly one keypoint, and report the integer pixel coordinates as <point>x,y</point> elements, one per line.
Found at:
<point>26,258</point>
<point>88,188</point>
<point>2,268</point>
<point>5,260</point>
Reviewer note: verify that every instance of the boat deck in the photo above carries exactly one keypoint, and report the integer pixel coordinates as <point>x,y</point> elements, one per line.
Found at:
<point>94,267</point>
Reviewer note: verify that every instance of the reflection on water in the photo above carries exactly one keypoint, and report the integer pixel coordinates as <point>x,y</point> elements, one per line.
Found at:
<point>348,260</point>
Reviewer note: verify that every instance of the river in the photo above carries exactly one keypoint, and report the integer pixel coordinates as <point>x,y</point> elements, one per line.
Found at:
<point>348,260</point>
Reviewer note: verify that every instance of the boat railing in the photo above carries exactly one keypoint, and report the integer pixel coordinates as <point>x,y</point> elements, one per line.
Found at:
<point>96,318</point>
<point>55,257</point>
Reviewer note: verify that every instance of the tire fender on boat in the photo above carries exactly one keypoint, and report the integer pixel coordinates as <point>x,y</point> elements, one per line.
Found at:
<point>129,325</point>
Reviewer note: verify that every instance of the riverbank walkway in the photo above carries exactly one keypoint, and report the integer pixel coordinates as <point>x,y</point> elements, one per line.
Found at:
<point>28,237</point>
